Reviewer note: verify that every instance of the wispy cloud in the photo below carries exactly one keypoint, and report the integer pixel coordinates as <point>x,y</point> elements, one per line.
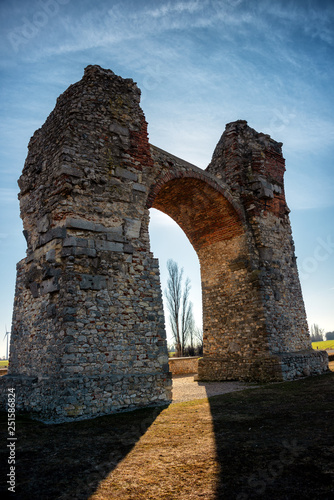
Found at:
<point>177,7</point>
<point>8,196</point>
<point>316,23</point>
<point>300,131</point>
<point>75,28</point>
<point>101,25</point>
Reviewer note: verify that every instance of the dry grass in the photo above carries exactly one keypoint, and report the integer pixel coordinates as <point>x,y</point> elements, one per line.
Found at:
<point>176,456</point>
<point>274,442</point>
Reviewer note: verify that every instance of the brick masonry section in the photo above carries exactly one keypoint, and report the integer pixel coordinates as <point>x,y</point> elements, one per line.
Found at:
<point>88,333</point>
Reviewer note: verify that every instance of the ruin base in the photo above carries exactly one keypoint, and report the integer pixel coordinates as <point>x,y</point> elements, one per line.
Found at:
<point>56,400</point>
<point>271,368</point>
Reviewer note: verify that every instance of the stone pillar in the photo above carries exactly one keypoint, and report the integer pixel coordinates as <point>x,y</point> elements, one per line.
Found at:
<point>88,333</point>
<point>253,296</point>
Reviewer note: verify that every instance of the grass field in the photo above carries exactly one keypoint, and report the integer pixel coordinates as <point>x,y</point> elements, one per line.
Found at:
<point>327,344</point>
<point>269,442</point>
<point>3,363</point>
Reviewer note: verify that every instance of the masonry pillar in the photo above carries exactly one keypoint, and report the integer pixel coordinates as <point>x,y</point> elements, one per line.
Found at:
<point>259,286</point>
<point>88,333</point>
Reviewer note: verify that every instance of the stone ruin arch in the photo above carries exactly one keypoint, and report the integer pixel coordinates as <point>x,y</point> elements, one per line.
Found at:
<point>88,335</point>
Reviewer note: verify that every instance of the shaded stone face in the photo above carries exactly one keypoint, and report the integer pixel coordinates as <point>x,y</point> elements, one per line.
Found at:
<point>88,334</point>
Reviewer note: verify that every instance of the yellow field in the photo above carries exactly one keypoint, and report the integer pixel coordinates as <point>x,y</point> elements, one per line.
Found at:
<point>3,363</point>
<point>327,344</point>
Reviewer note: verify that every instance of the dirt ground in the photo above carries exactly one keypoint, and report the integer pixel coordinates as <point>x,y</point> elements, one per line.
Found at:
<point>274,441</point>
<point>185,389</point>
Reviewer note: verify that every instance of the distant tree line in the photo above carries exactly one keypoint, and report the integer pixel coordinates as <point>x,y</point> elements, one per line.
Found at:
<point>318,334</point>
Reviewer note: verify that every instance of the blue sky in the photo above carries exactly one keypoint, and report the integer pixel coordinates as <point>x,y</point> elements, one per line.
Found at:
<point>200,64</point>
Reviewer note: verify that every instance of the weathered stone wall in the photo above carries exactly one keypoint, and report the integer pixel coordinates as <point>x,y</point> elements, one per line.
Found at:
<point>88,321</point>
<point>252,163</point>
<point>259,305</point>
<point>88,333</point>
<point>183,366</point>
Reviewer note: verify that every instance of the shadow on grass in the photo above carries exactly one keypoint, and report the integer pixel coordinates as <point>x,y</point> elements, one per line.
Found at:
<point>272,442</point>
<point>68,461</point>
<point>276,442</point>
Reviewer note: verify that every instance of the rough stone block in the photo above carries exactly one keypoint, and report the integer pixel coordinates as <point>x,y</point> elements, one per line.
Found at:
<point>43,224</point>
<point>126,174</point>
<point>34,288</point>
<point>57,232</point>
<point>108,246</point>
<point>119,129</point>
<point>72,241</point>
<point>89,282</point>
<point>115,234</point>
<point>89,252</point>
<point>139,187</point>
<point>132,228</point>
<point>83,224</point>
<point>50,256</point>
<point>266,253</point>
<point>49,286</point>
<point>68,170</point>
<point>128,248</point>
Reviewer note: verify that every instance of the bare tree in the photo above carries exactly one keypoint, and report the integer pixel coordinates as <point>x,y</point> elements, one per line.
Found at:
<point>195,345</point>
<point>199,340</point>
<point>187,318</point>
<point>317,333</point>
<point>179,306</point>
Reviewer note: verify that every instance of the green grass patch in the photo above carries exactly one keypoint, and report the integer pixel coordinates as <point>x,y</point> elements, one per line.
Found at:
<point>3,363</point>
<point>326,344</point>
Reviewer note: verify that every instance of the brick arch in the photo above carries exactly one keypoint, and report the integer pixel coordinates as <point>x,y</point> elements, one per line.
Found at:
<point>215,226</point>
<point>201,207</point>
<point>195,173</point>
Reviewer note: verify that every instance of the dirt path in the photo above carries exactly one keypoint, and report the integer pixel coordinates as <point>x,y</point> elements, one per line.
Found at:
<point>185,389</point>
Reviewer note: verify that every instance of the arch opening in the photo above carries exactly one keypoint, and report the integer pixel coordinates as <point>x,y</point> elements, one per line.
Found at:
<point>168,241</point>
<point>217,234</point>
